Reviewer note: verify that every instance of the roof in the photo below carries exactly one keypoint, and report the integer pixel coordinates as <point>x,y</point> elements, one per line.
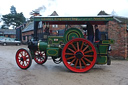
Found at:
<point>102,13</point>
<point>8,31</point>
<point>121,19</point>
<point>54,14</point>
<point>29,27</point>
<point>78,20</point>
<point>23,25</point>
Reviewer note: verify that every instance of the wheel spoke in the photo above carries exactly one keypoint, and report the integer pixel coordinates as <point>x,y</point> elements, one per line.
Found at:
<point>26,54</point>
<point>38,59</point>
<point>20,61</point>
<point>80,64</point>
<point>43,57</point>
<point>43,53</point>
<point>85,48</point>
<point>69,54</point>
<point>87,60</point>
<point>73,47</point>
<point>70,58</point>
<point>84,62</point>
<point>27,62</point>
<point>21,54</point>
<point>82,45</point>
<point>72,61</point>
<point>78,46</point>
<point>36,53</point>
<point>76,62</point>
<point>18,57</point>
<point>88,51</point>
<point>71,50</point>
<point>88,55</point>
<point>23,64</point>
<point>27,57</point>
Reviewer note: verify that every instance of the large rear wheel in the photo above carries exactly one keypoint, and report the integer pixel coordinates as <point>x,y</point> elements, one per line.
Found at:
<point>23,58</point>
<point>79,55</point>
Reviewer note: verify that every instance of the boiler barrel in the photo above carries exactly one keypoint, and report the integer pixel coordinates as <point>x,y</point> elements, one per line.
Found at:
<point>42,46</point>
<point>37,45</point>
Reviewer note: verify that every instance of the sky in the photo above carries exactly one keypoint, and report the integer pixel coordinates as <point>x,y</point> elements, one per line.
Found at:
<point>66,7</point>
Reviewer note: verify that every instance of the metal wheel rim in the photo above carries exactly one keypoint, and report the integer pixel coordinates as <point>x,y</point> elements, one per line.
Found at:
<point>72,62</point>
<point>40,57</point>
<point>4,44</point>
<point>23,59</point>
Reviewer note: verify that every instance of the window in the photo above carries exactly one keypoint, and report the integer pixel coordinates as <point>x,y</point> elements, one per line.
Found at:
<point>40,25</point>
<point>55,26</point>
<point>104,35</point>
<point>127,27</point>
<point>23,37</point>
<point>9,36</point>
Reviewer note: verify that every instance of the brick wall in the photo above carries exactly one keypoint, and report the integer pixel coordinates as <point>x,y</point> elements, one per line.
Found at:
<point>57,28</point>
<point>11,36</point>
<point>27,36</point>
<point>118,33</point>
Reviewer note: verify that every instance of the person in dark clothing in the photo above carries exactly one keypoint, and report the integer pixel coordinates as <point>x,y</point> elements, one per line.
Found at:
<point>97,34</point>
<point>90,32</point>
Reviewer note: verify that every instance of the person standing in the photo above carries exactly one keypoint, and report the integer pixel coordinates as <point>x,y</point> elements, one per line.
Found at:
<point>97,34</point>
<point>90,32</point>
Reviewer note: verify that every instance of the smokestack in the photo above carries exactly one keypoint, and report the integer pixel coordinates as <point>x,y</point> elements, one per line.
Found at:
<point>34,13</point>
<point>37,11</point>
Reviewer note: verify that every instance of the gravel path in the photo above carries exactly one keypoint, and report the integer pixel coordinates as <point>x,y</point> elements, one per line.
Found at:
<point>58,74</point>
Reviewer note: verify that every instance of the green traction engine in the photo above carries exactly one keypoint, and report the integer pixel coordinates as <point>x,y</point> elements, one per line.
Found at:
<point>77,53</point>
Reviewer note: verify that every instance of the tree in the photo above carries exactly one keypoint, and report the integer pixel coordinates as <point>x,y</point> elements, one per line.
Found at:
<point>13,19</point>
<point>0,17</point>
<point>13,10</point>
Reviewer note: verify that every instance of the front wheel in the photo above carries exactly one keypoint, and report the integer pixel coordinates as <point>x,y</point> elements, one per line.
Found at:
<point>79,55</point>
<point>23,58</point>
<point>4,44</point>
<point>18,44</point>
<point>40,57</point>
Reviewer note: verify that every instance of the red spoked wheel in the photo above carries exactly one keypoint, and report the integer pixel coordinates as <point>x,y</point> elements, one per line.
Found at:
<point>40,57</point>
<point>79,55</point>
<point>23,58</point>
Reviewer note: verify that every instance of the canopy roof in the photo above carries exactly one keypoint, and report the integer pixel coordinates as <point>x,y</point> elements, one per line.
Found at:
<point>74,20</point>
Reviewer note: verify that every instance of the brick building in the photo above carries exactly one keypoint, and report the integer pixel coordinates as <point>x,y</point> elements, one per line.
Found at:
<point>117,30</point>
<point>11,33</point>
<point>28,31</point>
